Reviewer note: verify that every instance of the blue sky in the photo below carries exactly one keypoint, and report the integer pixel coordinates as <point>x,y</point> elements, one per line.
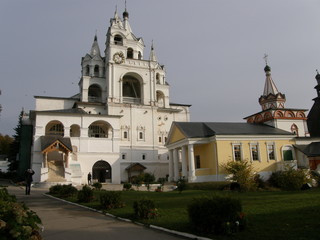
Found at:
<point>212,50</point>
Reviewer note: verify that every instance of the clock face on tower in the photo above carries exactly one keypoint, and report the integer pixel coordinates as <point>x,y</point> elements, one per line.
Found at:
<point>118,57</point>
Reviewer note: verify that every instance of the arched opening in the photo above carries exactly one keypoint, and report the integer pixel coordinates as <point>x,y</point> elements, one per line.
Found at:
<point>158,78</point>
<point>94,93</point>
<point>160,99</point>
<point>87,72</point>
<point>118,40</point>
<point>101,171</point>
<point>131,89</point>
<point>96,71</point>
<point>99,129</point>
<point>54,128</point>
<point>139,56</point>
<point>295,129</point>
<point>130,53</point>
<point>75,130</point>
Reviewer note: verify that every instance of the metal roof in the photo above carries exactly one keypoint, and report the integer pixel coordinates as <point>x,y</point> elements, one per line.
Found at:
<point>207,129</point>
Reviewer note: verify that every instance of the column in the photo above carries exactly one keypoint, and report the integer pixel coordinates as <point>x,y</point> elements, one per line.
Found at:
<point>66,156</point>
<point>184,162</point>
<point>192,170</point>
<point>176,165</point>
<point>170,166</point>
<point>45,160</point>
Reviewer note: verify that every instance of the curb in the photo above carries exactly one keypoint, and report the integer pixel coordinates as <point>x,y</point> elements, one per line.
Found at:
<point>173,232</point>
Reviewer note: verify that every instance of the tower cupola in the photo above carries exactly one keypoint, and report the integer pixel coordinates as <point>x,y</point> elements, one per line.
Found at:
<point>271,97</point>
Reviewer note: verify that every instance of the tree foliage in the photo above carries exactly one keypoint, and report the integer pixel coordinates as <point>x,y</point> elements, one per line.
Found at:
<point>15,144</point>
<point>5,142</point>
<point>242,173</point>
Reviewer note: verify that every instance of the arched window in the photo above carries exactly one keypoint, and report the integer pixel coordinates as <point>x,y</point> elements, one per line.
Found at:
<point>118,40</point>
<point>54,128</point>
<point>99,129</point>
<point>160,99</point>
<point>131,89</point>
<point>96,71</point>
<point>158,78</point>
<point>295,129</point>
<point>139,56</point>
<point>87,73</point>
<point>287,152</point>
<point>130,53</point>
<point>94,94</point>
<point>75,131</point>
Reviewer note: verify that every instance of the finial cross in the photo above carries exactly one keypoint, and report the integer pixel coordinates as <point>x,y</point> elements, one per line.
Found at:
<point>265,57</point>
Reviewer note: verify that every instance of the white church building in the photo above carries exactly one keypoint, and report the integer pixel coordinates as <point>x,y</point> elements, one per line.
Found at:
<point>118,123</point>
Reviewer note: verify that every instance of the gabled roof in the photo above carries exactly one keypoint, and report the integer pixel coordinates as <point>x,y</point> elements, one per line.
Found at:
<point>46,141</point>
<point>207,129</point>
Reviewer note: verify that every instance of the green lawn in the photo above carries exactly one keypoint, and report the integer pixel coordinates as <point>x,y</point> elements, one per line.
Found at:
<point>271,215</point>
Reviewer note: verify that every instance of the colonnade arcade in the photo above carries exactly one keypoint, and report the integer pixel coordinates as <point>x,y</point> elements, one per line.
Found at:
<point>185,155</point>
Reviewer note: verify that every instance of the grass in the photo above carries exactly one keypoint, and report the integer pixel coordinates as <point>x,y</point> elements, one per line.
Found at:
<point>271,215</point>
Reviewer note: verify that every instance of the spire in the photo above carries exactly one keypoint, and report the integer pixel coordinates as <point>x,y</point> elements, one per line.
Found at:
<point>95,50</point>
<point>269,86</point>
<point>126,19</point>
<point>152,54</point>
<point>125,13</point>
<point>271,97</point>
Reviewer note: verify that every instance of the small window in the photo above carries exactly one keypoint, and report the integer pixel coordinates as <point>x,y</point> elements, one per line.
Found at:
<point>237,152</point>
<point>96,71</point>
<point>160,139</point>
<point>254,152</point>
<point>271,152</point>
<point>139,56</point>
<point>141,135</point>
<point>197,163</point>
<point>129,53</point>
<point>125,135</point>
<point>165,139</point>
<point>143,156</point>
<point>123,156</point>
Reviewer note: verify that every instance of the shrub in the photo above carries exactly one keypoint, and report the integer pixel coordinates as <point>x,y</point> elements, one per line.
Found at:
<point>208,186</point>
<point>217,214</point>
<point>85,195</point>
<point>290,179</point>
<point>127,186</point>
<point>111,199</point>
<point>242,173</point>
<point>63,191</point>
<point>145,209</point>
<point>55,190</point>
<point>97,185</point>
<point>16,220</point>
<point>148,178</point>
<point>181,184</point>
<point>5,196</point>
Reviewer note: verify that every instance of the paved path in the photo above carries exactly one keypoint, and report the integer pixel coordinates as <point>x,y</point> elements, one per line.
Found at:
<point>63,221</point>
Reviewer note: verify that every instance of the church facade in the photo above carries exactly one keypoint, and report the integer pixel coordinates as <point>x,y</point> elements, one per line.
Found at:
<point>273,139</point>
<point>118,123</point>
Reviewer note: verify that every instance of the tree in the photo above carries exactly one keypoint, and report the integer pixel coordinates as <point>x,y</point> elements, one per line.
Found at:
<point>15,145</point>
<point>242,173</point>
<point>5,142</point>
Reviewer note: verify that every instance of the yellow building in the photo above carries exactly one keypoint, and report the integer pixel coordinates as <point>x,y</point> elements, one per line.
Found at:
<point>199,149</point>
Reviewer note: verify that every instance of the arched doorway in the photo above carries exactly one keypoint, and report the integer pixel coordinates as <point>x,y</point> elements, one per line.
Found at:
<point>101,171</point>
